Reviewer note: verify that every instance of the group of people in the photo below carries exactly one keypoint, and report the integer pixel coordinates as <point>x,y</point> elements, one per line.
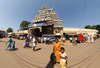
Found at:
<point>10,42</point>
<point>26,44</point>
<point>33,40</point>
<point>59,52</point>
<point>90,38</point>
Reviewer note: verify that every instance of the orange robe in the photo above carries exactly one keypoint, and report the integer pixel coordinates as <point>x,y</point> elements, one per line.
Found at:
<point>57,47</point>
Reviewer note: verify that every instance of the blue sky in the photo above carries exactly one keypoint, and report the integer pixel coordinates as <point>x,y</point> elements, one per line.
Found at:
<point>72,12</point>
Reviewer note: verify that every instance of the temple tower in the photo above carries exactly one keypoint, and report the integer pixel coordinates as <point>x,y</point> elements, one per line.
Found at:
<point>52,23</point>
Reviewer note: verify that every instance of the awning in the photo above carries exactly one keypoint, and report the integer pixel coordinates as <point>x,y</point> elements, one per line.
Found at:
<point>79,32</point>
<point>71,33</point>
<point>35,25</point>
<point>57,34</point>
<point>10,33</point>
<point>48,35</point>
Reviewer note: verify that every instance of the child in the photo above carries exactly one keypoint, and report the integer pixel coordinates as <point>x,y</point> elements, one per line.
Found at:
<point>27,42</point>
<point>63,58</point>
<point>14,45</point>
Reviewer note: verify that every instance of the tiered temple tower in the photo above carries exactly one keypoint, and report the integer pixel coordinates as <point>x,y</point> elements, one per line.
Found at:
<point>49,17</point>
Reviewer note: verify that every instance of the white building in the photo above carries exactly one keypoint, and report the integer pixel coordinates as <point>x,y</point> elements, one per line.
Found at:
<point>80,30</point>
<point>2,33</point>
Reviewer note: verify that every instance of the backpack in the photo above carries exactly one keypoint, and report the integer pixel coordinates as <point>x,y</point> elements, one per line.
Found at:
<point>53,57</point>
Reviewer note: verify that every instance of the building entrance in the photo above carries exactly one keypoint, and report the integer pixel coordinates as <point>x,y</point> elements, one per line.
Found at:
<point>36,32</point>
<point>39,31</point>
<point>47,29</point>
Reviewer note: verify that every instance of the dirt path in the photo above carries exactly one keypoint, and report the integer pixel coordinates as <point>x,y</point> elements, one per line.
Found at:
<point>85,55</point>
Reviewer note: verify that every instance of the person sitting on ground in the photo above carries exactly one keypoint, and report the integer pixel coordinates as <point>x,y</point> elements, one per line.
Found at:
<point>63,58</point>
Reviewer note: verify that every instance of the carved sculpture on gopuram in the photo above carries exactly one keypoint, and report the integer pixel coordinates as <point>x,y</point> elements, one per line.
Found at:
<point>52,23</point>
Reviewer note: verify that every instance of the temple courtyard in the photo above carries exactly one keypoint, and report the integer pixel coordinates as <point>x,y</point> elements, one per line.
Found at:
<point>84,55</point>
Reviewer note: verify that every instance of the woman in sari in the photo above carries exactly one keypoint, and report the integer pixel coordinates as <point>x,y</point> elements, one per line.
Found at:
<point>9,43</point>
<point>25,44</point>
<point>56,50</point>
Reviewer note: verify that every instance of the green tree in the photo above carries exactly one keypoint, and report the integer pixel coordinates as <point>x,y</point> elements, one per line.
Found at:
<point>24,24</point>
<point>87,27</point>
<point>93,27</point>
<point>9,30</point>
<point>98,28</point>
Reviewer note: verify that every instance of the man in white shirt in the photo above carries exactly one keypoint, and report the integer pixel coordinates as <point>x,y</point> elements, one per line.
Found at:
<point>92,39</point>
<point>45,40</point>
<point>34,43</point>
<point>88,38</point>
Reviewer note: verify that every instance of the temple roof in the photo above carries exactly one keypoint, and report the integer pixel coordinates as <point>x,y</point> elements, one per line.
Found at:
<point>47,16</point>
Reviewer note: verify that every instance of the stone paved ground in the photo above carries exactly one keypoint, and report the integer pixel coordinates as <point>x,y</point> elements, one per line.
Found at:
<point>84,55</point>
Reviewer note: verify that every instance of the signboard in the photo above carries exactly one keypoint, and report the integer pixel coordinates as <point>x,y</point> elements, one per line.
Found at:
<point>35,25</point>
<point>31,25</point>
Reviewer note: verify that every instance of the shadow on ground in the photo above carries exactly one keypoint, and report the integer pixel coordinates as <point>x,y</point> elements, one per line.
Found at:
<point>2,41</point>
<point>50,65</point>
<point>38,49</point>
<point>14,49</point>
<point>29,47</point>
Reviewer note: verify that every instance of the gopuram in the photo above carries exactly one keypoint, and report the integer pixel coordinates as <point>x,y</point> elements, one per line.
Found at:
<point>46,22</point>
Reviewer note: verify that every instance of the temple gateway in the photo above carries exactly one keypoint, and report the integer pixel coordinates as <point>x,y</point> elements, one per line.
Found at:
<point>46,22</point>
